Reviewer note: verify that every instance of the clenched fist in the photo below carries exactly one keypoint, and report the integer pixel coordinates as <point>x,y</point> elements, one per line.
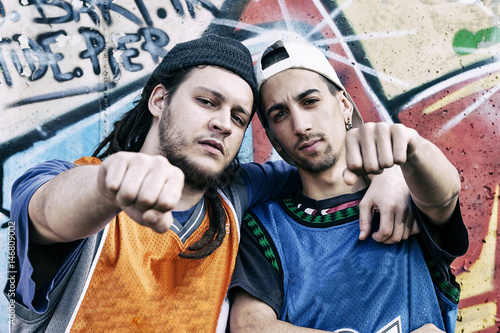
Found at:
<point>374,147</point>
<point>146,187</point>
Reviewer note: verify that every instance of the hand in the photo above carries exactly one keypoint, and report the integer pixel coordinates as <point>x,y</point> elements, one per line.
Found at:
<point>428,328</point>
<point>433,181</point>
<point>374,147</point>
<point>388,195</point>
<point>146,187</point>
<point>370,149</point>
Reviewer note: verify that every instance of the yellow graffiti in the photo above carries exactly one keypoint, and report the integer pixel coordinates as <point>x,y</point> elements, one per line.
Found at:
<point>476,318</point>
<point>479,85</point>
<point>480,279</point>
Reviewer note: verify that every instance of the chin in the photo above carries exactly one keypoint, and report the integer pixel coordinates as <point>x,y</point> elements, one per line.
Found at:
<point>316,166</point>
<point>210,166</point>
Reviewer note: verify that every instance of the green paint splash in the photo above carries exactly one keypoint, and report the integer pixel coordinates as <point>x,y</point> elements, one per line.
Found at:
<point>466,42</point>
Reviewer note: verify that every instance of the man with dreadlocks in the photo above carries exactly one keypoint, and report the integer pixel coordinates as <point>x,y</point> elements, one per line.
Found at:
<point>147,239</point>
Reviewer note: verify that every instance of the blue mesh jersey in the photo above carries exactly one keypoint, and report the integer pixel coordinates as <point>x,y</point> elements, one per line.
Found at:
<point>304,259</point>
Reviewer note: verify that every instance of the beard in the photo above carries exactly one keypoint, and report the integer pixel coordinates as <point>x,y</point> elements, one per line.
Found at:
<point>329,159</point>
<point>172,146</point>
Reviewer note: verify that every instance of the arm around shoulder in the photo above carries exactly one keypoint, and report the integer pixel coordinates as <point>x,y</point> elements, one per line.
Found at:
<point>249,314</point>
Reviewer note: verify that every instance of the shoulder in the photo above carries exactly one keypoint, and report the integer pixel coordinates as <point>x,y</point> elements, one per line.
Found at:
<point>450,240</point>
<point>51,167</point>
<point>24,186</point>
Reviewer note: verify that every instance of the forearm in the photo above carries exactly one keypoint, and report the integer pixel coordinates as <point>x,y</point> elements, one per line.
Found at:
<point>433,181</point>
<point>268,326</point>
<point>249,314</point>
<point>70,207</point>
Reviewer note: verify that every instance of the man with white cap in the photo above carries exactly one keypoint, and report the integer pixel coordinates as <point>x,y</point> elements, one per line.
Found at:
<point>305,261</point>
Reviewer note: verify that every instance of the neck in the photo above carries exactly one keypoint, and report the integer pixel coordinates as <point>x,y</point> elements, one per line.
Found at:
<point>150,145</point>
<point>189,198</point>
<point>328,184</point>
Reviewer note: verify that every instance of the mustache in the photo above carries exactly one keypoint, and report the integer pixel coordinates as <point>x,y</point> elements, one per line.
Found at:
<point>308,137</point>
<point>215,136</point>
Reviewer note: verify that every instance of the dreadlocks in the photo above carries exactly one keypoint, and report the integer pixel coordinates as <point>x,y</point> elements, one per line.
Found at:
<point>131,130</point>
<point>208,244</point>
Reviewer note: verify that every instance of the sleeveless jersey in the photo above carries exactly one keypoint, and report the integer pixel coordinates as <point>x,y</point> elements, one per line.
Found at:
<point>138,282</point>
<point>335,282</point>
<point>141,284</point>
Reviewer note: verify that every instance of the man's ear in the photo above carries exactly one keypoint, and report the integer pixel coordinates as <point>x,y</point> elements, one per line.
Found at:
<point>156,100</point>
<point>346,107</point>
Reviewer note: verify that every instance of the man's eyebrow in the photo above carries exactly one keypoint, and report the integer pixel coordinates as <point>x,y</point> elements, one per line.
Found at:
<point>275,107</point>
<point>305,93</point>
<point>278,106</point>
<point>213,92</point>
<point>241,109</point>
<point>217,94</point>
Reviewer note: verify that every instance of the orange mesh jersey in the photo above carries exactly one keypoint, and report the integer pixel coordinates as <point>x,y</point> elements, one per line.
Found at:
<point>140,284</point>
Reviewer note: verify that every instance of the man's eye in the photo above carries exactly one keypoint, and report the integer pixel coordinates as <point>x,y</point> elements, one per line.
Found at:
<point>278,115</point>
<point>311,101</point>
<point>205,101</point>
<point>239,119</point>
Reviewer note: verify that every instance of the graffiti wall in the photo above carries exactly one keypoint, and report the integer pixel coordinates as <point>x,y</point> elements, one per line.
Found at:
<point>69,68</point>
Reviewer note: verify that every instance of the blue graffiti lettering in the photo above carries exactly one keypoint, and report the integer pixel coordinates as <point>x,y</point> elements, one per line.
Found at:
<point>38,4</point>
<point>155,40</point>
<point>16,61</point>
<point>144,12</point>
<point>30,62</point>
<point>36,73</point>
<point>178,7</point>
<point>205,4</point>
<point>95,44</point>
<point>89,8</point>
<point>53,20</point>
<point>4,70</point>
<point>52,59</point>
<point>38,56</point>
<point>190,8</point>
<point>90,11</point>
<point>129,53</point>
<point>106,6</point>
<point>2,14</point>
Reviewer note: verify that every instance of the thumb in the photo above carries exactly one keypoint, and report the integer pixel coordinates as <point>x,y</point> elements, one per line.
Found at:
<point>365,221</point>
<point>414,228</point>
<point>350,178</point>
<point>159,222</point>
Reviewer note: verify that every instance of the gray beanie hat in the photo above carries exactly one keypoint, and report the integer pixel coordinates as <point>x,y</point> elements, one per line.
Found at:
<point>213,50</point>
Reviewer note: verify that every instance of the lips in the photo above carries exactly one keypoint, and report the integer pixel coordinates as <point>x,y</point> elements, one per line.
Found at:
<point>214,144</point>
<point>307,144</point>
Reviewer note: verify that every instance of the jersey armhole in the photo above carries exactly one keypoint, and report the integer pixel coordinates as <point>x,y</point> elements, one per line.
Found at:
<point>264,241</point>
